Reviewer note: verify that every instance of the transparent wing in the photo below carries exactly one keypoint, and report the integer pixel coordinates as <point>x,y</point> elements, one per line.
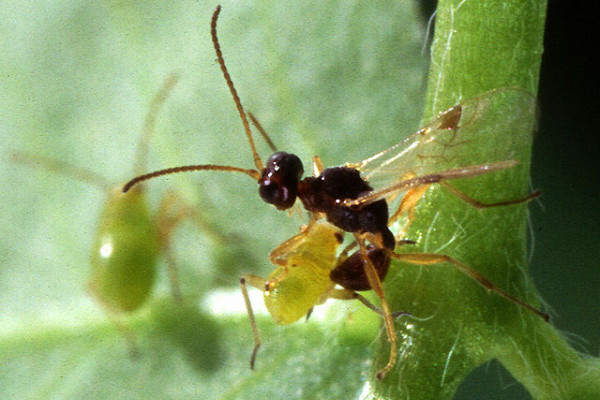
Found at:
<point>481,134</point>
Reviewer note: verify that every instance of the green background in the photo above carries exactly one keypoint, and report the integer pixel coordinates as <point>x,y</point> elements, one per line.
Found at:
<point>76,81</point>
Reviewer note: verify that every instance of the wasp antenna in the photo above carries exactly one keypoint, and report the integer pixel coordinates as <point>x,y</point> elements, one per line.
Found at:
<point>149,122</point>
<point>187,168</point>
<point>262,132</point>
<point>213,31</point>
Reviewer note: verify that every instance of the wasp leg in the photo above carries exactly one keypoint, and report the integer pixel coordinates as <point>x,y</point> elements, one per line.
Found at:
<point>477,204</point>
<point>259,283</point>
<point>376,286</point>
<point>432,259</point>
<point>345,294</point>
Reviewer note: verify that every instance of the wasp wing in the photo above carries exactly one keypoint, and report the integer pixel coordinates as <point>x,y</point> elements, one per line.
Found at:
<point>484,133</point>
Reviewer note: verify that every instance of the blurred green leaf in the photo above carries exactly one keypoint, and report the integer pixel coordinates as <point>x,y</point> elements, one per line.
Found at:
<point>76,81</point>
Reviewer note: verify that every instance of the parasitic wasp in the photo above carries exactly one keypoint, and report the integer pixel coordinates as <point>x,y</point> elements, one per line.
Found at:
<point>356,198</point>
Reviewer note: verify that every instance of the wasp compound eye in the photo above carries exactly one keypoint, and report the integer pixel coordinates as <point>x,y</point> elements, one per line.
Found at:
<point>279,180</point>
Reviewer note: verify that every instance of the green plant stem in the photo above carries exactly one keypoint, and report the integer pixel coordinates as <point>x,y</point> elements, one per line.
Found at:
<point>549,368</point>
<point>484,45</point>
<point>479,46</point>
